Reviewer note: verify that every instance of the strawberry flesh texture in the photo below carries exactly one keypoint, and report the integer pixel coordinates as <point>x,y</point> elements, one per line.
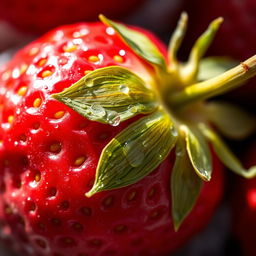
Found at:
<point>40,16</point>
<point>244,205</point>
<point>43,210</point>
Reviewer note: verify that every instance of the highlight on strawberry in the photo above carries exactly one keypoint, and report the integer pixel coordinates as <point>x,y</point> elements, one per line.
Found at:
<point>109,144</point>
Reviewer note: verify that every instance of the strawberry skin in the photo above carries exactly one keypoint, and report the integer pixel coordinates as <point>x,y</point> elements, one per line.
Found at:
<point>49,154</point>
<point>40,16</point>
<point>244,204</point>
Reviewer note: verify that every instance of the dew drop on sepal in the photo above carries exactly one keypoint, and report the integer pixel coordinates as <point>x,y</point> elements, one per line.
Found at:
<point>124,89</point>
<point>98,110</point>
<point>134,153</point>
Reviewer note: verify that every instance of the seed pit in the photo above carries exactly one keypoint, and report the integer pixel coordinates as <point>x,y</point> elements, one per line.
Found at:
<point>42,244</point>
<point>35,126</point>
<point>59,114</point>
<point>37,177</point>
<point>86,211</point>
<point>16,182</point>
<point>55,147</point>
<point>37,102</point>
<point>95,243</point>
<point>30,206</point>
<point>108,202</point>
<point>120,229</point>
<point>56,221</point>
<point>52,192</point>
<point>64,205</point>
<point>23,137</point>
<point>79,160</point>
<point>67,242</point>
<point>77,227</point>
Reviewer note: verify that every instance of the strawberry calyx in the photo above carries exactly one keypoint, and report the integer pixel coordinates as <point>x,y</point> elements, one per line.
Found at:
<point>176,116</point>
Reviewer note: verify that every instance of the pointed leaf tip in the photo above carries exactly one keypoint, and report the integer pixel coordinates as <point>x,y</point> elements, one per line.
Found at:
<point>109,95</point>
<point>198,152</point>
<point>139,43</point>
<point>185,186</point>
<point>225,154</point>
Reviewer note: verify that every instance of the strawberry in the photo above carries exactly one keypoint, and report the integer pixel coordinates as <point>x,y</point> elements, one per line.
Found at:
<point>90,116</point>
<point>236,32</point>
<point>244,219</point>
<point>40,16</point>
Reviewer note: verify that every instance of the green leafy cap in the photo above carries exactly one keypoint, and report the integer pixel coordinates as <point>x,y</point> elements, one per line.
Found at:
<point>176,115</point>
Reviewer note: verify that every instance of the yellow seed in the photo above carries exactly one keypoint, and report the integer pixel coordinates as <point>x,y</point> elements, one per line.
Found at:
<point>41,62</point>
<point>6,75</point>
<point>87,72</point>
<point>79,160</point>
<point>132,195</point>
<point>93,58</point>
<point>38,177</point>
<point>59,114</point>
<point>23,68</point>
<point>46,73</point>
<point>22,91</point>
<point>33,51</point>
<point>8,210</point>
<point>10,119</point>
<point>70,48</point>
<point>55,147</point>
<point>118,58</point>
<point>37,102</point>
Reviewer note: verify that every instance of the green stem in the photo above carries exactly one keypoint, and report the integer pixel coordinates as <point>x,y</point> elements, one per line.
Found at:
<point>217,85</point>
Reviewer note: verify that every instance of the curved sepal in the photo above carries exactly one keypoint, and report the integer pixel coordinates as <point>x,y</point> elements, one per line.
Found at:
<point>231,120</point>
<point>225,155</point>
<point>185,186</point>
<point>139,43</point>
<point>135,152</point>
<point>198,152</point>
<point>198,50</point>
<point>109,95</point>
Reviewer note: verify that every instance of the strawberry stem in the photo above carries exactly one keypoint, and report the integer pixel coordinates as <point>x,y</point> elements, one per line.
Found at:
<point>217,85</point>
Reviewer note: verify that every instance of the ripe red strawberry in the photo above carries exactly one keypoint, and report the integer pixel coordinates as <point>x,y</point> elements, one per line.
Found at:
<point>40,16</point>
<point>51,155</point>
<point>244,219</point>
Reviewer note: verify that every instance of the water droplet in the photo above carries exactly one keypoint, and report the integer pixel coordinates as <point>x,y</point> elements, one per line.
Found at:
<point>133,109</point>
<point>174,132</point>
<point>124,89</point>
<point>89,82</point>
<point>98,110</point>
<point>113,118</point>
<point>133,151</point>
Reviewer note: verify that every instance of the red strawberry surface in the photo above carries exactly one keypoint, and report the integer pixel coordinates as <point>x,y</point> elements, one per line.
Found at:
<point>49,154</point>
<point>40,16</point>
<point>244,219</point>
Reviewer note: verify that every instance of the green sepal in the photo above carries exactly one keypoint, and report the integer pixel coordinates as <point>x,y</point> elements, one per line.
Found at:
<point>230,120</point>
<point>213,66</point>
<point>198,152</point>
<point>139,43</point>
<point>225,155</point>
<point>185,186</point>
<point>177,38</point>
<point>135,152</point>
<point>109,95</point>
<point>191,68</point>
